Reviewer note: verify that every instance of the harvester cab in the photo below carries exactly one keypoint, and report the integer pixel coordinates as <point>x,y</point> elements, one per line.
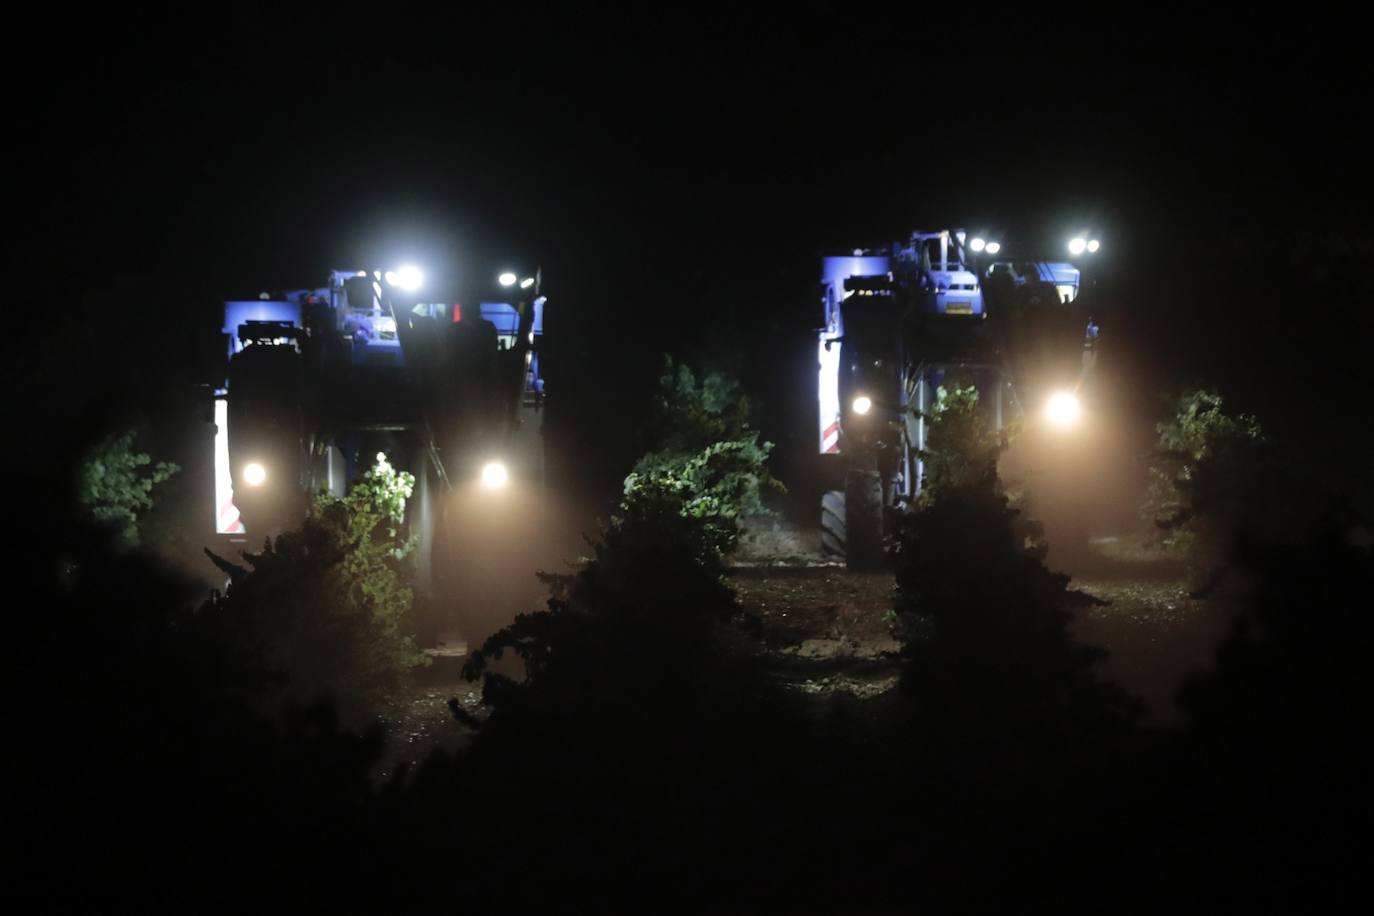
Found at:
<point>319,381</point>
<point>947,282</point>
<point>899,322</point>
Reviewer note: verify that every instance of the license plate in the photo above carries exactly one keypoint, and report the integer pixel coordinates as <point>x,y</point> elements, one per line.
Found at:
<point>959,308</point>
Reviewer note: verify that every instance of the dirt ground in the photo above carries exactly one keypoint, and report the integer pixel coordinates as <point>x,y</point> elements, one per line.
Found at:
<point>820,629</point>
<point>419,722</point>
<point>1156,633</point>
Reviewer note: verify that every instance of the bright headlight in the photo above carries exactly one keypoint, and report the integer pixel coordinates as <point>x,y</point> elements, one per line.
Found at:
<point>494,475</point>
<point>862,404</point>
<point>1063,409</point>
<point>254,474</point>
<point>1077,246</point>
<point>978,244</point>
<point>409,278</point>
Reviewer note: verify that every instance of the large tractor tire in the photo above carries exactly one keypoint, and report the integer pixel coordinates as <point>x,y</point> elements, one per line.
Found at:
<point>863,504</point>
<point>852,520</point>
<point>833,540</point>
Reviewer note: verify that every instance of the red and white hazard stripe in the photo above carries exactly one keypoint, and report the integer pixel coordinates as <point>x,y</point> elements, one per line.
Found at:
<point>830,439</point>
<point>229,521</point>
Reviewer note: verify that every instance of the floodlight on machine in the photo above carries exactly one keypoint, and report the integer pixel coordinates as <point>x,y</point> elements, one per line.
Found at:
<point>407,278</point>
<point>494,475</point>
<point>1063,409</point>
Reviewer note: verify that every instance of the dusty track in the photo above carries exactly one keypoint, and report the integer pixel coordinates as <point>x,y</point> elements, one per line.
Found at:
<point>821,630</point>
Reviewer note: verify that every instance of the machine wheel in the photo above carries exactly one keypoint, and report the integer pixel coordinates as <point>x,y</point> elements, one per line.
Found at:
<point>852,523</point>
<point>833,542</point>
<point>438,593</point>
<point>863,517</point>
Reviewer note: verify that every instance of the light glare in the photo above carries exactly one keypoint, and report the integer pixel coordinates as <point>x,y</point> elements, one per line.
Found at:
<point>407,278</point>
<point>254,474</point>
<point>1094,245</point>
<point>494,475</point>
<point>507,279</point>
<point>1063,409</point>
<point>1077,246</point>
<point>994,247</point>
<point>862,404</point>
<point>527,283</point>
<point>977,244</point>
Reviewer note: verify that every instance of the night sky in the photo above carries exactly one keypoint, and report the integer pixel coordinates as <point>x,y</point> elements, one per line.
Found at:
<point>675,174</point>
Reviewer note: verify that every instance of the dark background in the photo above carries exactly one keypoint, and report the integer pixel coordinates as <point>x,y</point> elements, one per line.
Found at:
<point>675,174</point>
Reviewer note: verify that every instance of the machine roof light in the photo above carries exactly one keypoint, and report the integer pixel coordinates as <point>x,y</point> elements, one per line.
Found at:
<point>977,244</point>
<point>507,279</point>
<point>994,247</point>
<point>408,278</point>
